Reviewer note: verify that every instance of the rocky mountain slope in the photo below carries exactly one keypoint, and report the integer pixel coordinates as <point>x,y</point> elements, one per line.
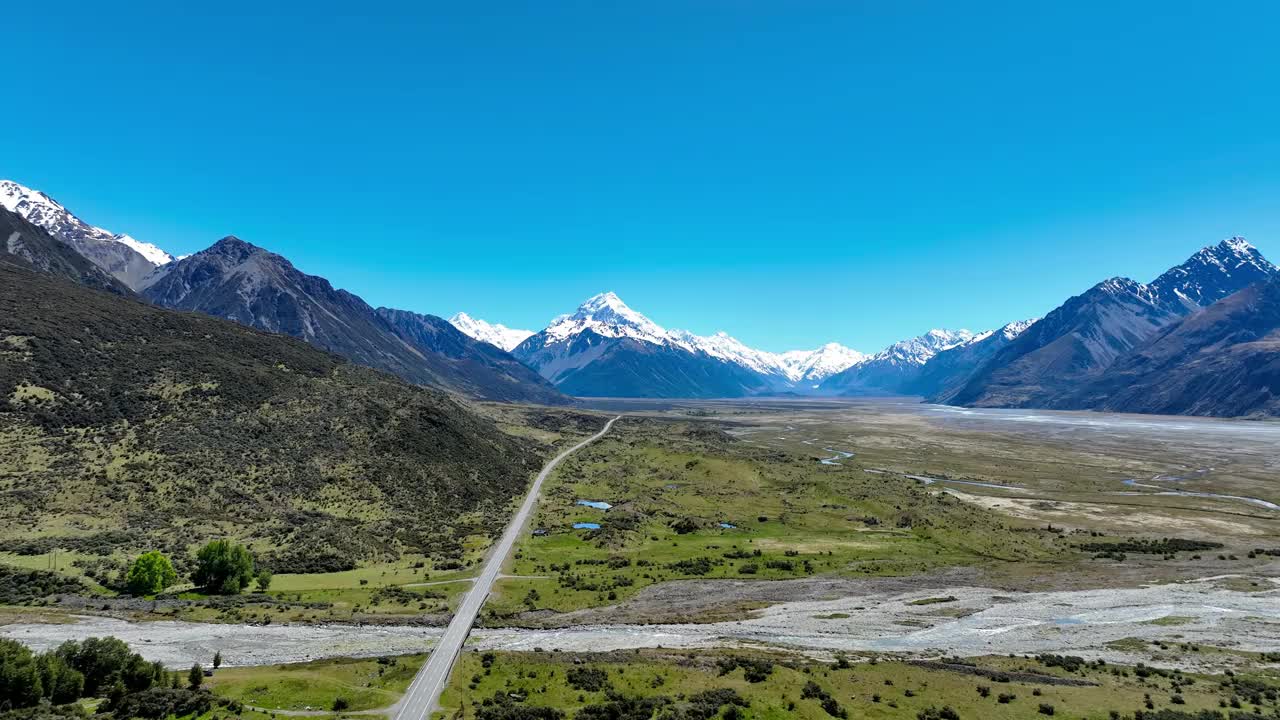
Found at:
<point>1222,361</point>
<point>163,429</point>
<point>952,368</point>
<point>26,245</point>
<point>1043,366</point>
<point>477,368</point>
<point>125,258</point>
<point>238,281</point>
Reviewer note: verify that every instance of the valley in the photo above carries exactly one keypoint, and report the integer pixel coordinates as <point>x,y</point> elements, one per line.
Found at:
<point>803,531</point>
<point>640,361</point>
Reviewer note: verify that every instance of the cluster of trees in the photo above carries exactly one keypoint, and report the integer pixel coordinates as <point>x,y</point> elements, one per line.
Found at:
<point>95,667</point>
<point>98,668</point>
<point>222,568</point>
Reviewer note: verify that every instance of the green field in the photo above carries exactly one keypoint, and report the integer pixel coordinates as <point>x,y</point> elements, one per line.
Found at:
<point>361,684</point>
<point>773,686</point>
<point>674,486</point>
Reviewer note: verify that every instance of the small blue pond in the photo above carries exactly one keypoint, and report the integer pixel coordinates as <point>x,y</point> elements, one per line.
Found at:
<point>597,504</point>
<point>586,526</point>
<point>728,526</point>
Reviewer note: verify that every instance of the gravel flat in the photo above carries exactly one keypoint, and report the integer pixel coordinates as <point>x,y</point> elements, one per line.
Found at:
<point>979,621</point>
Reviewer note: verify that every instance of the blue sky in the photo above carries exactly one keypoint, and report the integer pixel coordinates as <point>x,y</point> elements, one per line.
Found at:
<point>791,172</point>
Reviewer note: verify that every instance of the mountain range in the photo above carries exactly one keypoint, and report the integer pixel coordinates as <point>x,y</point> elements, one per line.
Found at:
<point>1164,346</point>
<point>1080,341</point>
<point>235,280</point>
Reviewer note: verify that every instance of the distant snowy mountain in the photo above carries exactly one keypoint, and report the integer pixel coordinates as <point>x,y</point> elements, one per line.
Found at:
<point>954,366</point>
<point>891,370</point>
<point>126,258</point>
<point>499,336</point>
<point>607,348</point>
<point>812,366</point>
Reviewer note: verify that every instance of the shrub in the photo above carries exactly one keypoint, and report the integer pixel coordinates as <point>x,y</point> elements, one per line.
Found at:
<point>159,703</point>
<point>589,679</point>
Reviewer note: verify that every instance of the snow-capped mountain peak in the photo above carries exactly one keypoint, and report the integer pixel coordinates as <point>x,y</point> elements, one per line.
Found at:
<point>918,350</point>
<point>815,365</point>
<point>42,210</point>
<point>1211,274</point>
<point>1016,328</point>
<point>608,316</point>
<point>495,334</point>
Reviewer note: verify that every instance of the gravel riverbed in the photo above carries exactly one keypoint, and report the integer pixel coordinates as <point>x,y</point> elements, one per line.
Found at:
<point>970,621</point>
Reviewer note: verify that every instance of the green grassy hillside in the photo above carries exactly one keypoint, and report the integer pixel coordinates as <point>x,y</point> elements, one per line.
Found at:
<point>125,427</point>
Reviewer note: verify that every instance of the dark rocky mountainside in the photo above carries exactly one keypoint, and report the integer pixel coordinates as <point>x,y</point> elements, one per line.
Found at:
<point>242,282</point>
<point>169,428</point>
<point>1222,361</point>
<point>33,247</point>
<point>472,366</point>
<point>1046,365</point>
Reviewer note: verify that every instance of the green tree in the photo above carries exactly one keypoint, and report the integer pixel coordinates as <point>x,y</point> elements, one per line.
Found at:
<point>223,568</point>
<point>264,580</point>
<point>20,683</point>
<point>104,662</point>
<point>151,573</point>
<point>217,659</point>
<point>62,683</point>
<point>195,676</point>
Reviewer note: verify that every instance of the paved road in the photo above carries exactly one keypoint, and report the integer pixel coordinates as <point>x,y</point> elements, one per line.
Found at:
<point>424,693</point>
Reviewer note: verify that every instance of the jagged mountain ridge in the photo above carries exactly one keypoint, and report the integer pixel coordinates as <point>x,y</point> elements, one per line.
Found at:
<point>127,259</point>
<point>236,280</point>
<point>1043,366</point>
<point>891,370</point>
<point>953,366</point>
<point>1223,361</point>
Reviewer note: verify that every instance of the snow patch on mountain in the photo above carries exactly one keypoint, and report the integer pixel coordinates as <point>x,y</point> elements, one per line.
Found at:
<point>495,334</point>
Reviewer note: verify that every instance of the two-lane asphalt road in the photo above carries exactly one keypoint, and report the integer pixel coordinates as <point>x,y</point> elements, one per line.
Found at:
<point>424,693</point>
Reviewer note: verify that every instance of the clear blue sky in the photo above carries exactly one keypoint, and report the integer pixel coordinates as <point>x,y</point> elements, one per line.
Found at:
<point>791,172</point>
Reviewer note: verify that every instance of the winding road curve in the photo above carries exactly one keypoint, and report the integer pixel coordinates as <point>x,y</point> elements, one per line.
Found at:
<point>424,693</point>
